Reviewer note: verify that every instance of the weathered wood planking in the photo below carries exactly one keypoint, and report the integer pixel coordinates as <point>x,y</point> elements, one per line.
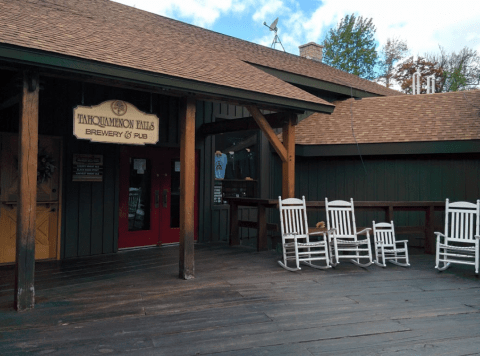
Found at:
<point>241,303</point>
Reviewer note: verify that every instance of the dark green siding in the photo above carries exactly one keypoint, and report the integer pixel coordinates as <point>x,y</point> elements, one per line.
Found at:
<point>385,178</point>
<point>398,178</point>
<point>90,224</point>
<point>204,112</point>
<point>90,209</point>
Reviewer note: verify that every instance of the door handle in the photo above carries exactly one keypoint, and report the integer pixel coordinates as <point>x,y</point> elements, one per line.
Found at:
<point>165,198</point>
<point>157,199</point>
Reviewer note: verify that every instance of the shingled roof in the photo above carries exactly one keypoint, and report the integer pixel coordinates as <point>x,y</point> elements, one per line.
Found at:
<point>112,33</point>
<point>407,118</point>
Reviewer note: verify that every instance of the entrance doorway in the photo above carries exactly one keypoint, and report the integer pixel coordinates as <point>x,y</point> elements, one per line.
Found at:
<point>150,196</point>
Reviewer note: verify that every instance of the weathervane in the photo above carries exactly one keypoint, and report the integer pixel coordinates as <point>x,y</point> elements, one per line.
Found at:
<point>276,39</point>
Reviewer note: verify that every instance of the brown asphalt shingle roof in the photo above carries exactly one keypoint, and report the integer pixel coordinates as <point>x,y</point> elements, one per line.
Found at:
<point>109,32</point>
<point>406,118</point>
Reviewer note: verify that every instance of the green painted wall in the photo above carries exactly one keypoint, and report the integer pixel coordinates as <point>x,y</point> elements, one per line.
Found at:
<point>90,209</point>
<point>385,178</point>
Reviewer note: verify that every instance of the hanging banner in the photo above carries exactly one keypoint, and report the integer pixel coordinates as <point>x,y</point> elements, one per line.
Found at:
<point>115,121</point>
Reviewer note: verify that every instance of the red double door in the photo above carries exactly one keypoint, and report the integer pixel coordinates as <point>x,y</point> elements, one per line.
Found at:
<point>150,196</point>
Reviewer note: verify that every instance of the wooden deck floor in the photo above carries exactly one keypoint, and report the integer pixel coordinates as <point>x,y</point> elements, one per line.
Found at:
<point>241,303</point>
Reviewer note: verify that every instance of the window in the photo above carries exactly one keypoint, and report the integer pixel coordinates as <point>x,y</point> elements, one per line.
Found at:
<point>235,165</point>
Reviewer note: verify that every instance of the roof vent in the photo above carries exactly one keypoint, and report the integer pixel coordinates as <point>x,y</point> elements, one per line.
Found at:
<point>312,51</point>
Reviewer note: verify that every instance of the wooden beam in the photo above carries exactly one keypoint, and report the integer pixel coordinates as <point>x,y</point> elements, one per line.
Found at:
<point>187,187</point>
<point>275,120</point>
<point>288,166</point>
<point>27,198</point>
<point>268,131</point>
<point>249,141</point>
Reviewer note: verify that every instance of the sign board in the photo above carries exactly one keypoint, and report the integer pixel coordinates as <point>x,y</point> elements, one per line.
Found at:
<point>115,121</point>
<point>87,168</point>
<point>140,165</point>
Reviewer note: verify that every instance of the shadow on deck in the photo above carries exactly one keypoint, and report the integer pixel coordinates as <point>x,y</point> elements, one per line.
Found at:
<point>240,303</point>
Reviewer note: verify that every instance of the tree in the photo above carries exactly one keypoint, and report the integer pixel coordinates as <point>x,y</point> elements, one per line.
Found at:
<point>405,70</point>
<point>351,46</point>
<point>459,71</point>
<point>394,50</point>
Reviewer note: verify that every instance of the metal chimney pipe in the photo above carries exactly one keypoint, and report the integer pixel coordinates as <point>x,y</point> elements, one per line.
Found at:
<point>416,82</point>
<point>431,84</point>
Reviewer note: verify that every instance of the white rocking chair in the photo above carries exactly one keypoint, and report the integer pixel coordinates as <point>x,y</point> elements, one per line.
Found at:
<point>343,241</point>
<point>461,238</point>
<point>296,242</point>
<point>386,246</point>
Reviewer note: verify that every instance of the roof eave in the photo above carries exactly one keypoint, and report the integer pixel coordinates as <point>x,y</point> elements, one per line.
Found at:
<point>297,79</point>
<point>389,148</point>
<point>50,60</point>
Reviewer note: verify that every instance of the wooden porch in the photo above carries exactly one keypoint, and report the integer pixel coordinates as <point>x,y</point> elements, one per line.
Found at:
<point>240,303</point>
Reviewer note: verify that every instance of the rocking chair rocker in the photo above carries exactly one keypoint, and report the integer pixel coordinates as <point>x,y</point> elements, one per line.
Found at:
<point>461,238</point>
<point>343,241</point>
<point>386,246</point>
<point>296,242</point>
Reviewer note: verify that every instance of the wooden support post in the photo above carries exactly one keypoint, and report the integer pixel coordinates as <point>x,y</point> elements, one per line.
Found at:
<point>288,166</point>
<point>389,213</point>
<point>262,240</point>
<point>234,236</point>
<point>187,187</point>
<point>429,231</point>
<point>27,198</point>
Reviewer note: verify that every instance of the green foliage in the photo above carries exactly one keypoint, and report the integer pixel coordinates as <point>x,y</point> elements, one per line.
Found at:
<point>406,69</point>
<point>393,51</point>
<point>455,80</point>
<point>351,46</point>
<point>460,71</point>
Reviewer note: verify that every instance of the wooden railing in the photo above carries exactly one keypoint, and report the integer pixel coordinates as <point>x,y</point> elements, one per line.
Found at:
<point>389,207</point>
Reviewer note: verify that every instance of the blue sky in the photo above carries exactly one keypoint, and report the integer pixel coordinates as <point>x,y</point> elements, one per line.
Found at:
<point>423,24</point>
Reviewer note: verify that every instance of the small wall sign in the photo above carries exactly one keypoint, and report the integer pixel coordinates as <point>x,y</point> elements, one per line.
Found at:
<point>115,121</point>
<point>87,168</point>
<point>140,165</point>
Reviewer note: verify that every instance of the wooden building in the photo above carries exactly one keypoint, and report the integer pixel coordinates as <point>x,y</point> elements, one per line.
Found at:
<point>396,148</point>
<point>80,176</point>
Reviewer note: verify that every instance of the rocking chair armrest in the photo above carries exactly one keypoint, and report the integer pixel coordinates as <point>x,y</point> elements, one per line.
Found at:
<point>440,235</point>
<point>316,233</point>
<point>399,241</point>
<point>330,234</point>
<point>477,237</point>
<point>364,231</point>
